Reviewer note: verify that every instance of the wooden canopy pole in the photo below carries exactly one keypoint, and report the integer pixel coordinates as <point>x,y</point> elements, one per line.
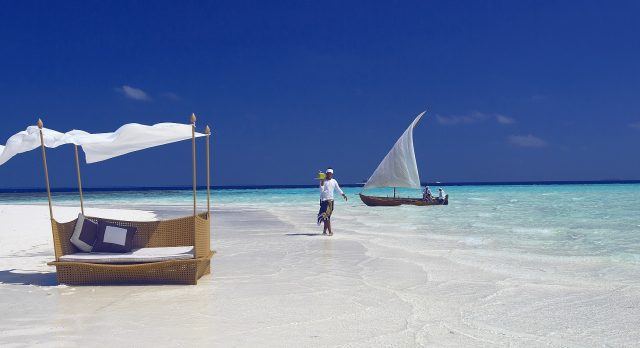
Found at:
<point>46,171</point>
<point>207,131</point>
<point>79,179</point>
<point>193,151</point>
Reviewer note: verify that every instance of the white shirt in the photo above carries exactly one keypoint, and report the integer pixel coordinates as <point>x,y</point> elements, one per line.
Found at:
<point>441,194</point>
<point>326,190</point>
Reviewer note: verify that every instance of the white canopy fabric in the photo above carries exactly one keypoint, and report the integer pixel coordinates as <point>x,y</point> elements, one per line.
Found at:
<point>29,139</point>
<point>101,146</point>
<point>129,138</point>
<point>399,167</point>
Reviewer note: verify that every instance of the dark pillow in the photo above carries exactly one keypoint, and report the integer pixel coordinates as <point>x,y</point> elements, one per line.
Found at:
<point>113,238</point>
<point>84,234</point>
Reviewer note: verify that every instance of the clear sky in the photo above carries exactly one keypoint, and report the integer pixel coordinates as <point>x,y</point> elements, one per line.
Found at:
<point>518,90</point>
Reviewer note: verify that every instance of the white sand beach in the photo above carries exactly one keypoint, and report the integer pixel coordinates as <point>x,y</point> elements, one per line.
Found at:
<point>275,282</point>
<point>474,165</point>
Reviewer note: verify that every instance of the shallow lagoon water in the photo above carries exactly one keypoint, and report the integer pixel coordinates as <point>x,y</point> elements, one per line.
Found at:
<point>562,220</point>
<point>552,265</point>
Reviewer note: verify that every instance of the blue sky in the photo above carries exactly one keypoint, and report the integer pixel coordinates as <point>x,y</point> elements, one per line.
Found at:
<point>539,90</point>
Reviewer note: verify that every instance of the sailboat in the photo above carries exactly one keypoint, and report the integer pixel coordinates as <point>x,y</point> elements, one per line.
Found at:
<point>399,169</point>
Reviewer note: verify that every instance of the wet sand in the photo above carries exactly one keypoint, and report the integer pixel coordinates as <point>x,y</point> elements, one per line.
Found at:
<point>277,281</point>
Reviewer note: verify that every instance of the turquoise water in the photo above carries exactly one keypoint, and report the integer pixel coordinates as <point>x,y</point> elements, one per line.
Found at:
<point>565,220</point>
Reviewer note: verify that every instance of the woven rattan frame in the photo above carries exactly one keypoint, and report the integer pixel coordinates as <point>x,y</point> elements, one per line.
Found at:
<point>185,231</point>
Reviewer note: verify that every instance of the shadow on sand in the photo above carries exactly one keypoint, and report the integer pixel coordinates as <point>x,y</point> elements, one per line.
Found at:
<point>40,279</point>
<point>305,234</point>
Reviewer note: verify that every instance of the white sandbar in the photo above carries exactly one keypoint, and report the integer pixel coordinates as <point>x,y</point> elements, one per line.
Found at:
<point>275,282</point>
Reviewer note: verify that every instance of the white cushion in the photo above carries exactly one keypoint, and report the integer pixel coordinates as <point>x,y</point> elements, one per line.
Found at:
<point>115,235</point>
<point>142,255</point>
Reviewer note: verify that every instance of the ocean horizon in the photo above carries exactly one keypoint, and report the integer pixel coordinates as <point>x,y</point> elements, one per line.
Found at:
<point>286,186</point>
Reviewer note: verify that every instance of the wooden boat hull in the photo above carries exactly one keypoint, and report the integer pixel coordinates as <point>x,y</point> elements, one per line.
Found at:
<point>373,201</point>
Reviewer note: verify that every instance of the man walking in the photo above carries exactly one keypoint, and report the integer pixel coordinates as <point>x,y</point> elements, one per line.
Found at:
<point>327,186</point>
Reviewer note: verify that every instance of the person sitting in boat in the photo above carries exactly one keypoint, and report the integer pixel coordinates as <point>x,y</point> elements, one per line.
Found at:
<point>441,195</point>
<point>426,194</point>
<point>327,186</point>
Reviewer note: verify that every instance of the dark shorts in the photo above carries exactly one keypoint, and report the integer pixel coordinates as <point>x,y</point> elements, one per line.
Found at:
<point>326,208</point>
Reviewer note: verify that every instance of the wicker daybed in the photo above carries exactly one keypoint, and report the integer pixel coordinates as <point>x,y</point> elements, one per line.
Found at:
<point>185,231</point>
<point>191,233</point>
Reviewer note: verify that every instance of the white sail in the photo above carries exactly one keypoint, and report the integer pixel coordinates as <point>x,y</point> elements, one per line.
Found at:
<point>399,167</point>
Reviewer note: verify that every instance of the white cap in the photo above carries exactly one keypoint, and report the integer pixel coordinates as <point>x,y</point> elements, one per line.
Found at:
<point>330,170</point>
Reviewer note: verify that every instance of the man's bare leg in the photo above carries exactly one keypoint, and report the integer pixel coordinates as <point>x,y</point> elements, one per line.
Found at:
<point>324,229</point>
<point>328,225</point>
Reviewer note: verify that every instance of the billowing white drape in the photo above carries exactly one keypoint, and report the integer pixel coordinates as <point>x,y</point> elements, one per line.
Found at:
<point>100,146</point>
<point>399,167</point>
<point>129,138</point>
<point>29,139</point>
